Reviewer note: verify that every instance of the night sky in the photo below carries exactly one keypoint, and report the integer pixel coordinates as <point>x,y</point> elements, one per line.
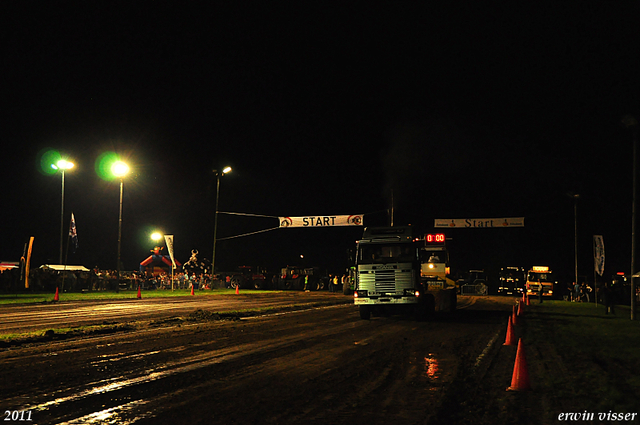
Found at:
<point>461,110</point>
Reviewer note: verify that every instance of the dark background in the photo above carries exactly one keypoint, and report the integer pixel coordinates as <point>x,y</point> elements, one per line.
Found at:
<point>462,110</point>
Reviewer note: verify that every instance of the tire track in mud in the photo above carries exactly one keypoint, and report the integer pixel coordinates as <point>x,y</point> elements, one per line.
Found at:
<point>323,366</point>
<point>21,318</point>
<point>132,378</point>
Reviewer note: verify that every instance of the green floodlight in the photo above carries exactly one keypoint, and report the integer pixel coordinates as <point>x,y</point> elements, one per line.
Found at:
<point>104,165</point>
<point>49,159</point>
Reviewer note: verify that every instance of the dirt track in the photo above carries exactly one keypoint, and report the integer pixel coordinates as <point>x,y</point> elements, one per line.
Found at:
<point>27,317</point>
<point>317,366</point>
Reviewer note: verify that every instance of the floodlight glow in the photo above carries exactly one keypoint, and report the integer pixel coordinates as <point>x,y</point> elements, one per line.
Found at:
<point>64,165</point>
<point>48,159</point>
<point>226,170</point>
<point>104,164</point>
<point>119,169</point>
<point>156,236</point>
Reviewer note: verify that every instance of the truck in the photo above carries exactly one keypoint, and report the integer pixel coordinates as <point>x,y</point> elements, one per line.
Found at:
<point>395,272</point>
<point>248,277</point>
<point>512,280</point>
<point>302,278</point>
<point>475,283</point>
<point>540,275</point>
<point>435,271</point>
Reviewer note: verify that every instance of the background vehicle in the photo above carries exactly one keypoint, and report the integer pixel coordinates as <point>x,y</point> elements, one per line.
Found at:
<point>511,281</point>
<point>349,287</point>
<point>248,277</point>
<point>540,275</point>
<point>435,271</point>
<point>292,277</point>
<point>475,283</point>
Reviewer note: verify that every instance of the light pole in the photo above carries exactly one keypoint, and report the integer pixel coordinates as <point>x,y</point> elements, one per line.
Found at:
<point>62,165</point>
<point>630,122</point>
<point>120,169</point>
<point>575,197</point>
<point>225,170</point>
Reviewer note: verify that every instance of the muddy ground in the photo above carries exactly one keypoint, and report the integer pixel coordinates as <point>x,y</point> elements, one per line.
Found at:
<point>319,365</point>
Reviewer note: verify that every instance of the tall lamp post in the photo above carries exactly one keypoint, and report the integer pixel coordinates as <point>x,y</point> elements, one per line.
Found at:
<point>225,170</point>
<point>630,122</point>
<point>575,198</point>
<point>120,169</point>
<point>62,166</point>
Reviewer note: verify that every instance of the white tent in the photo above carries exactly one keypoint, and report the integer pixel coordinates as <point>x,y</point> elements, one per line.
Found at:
<point>60,268</point>
<point>6,265</point>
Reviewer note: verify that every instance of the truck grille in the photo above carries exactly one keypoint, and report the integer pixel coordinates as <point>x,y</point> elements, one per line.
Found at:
<point>388,281</point>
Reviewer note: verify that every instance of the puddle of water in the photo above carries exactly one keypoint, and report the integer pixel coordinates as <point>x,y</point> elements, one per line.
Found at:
<point>113,415</point>
<point>431,367</point>
<point>121,356</point>
<point>115,384</point>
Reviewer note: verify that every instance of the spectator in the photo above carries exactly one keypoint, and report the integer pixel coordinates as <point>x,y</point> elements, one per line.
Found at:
<point>607,299</point>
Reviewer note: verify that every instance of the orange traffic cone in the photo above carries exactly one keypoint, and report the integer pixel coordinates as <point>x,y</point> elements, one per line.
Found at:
<point>520,378</point>
<point>139,292</point>
<point>520,309</point>
<point>237,289</point>
<point>56,297</point>
<point>192,290</point>
<point>511,338</point>
<point>528,303</point>
<point>514,316</point>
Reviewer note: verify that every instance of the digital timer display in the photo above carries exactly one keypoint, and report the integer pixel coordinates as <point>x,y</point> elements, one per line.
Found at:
<point>434,238</point>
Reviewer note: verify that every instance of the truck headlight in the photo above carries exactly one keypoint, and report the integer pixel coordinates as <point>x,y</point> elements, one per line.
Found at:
<point>361,293</point>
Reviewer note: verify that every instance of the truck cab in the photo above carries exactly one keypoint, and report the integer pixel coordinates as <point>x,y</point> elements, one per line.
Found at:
<point>540,277</point>
<point>387,270</point>
<point>394,271</point>
<point>512,280</point>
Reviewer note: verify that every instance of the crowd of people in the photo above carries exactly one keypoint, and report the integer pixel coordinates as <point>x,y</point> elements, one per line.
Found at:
<point>47,280</point>
<point>608,294</point>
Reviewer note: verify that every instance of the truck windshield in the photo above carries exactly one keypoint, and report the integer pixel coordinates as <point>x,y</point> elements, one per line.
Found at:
<point>386,253</point>
<point>542,277</point>
<point>434,257</point>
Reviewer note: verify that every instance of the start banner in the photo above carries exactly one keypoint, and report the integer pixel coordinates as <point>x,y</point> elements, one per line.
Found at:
<point>322,221</point>
<point>479,223</point>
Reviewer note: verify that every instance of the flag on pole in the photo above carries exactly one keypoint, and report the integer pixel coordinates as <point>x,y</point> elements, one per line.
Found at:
<point>73,234</point>
<point>598,254</point>
<point>169,241</point>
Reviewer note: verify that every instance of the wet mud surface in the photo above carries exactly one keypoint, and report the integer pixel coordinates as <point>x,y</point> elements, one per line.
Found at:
<point>318,365</point>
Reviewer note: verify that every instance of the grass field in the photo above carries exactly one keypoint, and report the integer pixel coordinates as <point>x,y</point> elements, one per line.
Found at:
<point>599,356</point>
<point>108,295</point>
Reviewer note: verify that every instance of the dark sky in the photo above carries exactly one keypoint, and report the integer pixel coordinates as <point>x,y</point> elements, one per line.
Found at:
<point>463,110</point>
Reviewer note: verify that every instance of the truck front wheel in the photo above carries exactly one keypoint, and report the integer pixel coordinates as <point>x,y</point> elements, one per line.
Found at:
<point>426,308</point>
<point>365,312</point>
<point>235,282</point>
